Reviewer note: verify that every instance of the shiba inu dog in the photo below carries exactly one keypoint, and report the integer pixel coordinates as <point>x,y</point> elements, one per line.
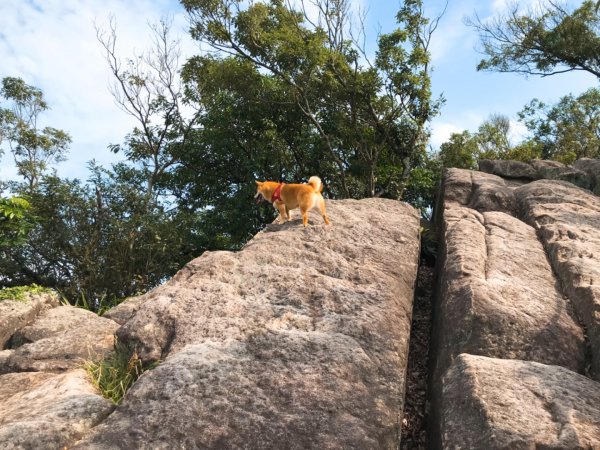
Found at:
<point>286,197</point>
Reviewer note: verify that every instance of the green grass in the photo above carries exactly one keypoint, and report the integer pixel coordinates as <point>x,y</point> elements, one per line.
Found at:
<point>116,373</point>
<point>23,293</point>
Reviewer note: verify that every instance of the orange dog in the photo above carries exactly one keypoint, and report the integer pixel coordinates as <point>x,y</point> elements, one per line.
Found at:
<point>286,197</point>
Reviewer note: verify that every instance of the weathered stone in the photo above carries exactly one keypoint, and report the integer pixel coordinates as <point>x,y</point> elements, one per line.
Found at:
<point>592,168</point>
<point>553,170</point>
<point>15,314</point>
<point>299,340</point>
<point>477,190</point>
<point>47,411</point>
<point>125,310</point>
<point>498,295</point>
<point>508,169</point>
<point>568,222</point>
<point>59,340</point>
<point>508,404</point>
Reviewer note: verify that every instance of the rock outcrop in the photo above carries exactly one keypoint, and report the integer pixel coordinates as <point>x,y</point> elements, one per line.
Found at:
<point>46,399</point>
<point>516,335</point>
<point>299,340</point>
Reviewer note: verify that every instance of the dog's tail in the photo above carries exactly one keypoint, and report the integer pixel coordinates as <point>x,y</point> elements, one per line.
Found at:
<point>315,183</point>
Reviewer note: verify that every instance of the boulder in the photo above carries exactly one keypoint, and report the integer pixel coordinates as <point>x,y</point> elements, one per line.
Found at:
<point>299,340</point>
<point>477,190</point>
<point>498,296</point>
<point>567,220</point>
<point>592,168</point>
<point>59,340</point>
<point>508,169</point>
<point>509,404</point>
<point>15,314</point>
<point>48,411</point>
<point>554,170</point>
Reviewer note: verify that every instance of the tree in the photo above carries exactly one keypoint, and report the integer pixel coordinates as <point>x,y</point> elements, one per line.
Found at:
<point>33,149</point>
<point>461,151</point>
<point>491,141</point>
<point>545,41</point>
<point>567,130</point>
<point>148,88</point>
<point>370,118</point>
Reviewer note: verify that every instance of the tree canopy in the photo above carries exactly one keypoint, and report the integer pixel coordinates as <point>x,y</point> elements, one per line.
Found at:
<point>546,40</point>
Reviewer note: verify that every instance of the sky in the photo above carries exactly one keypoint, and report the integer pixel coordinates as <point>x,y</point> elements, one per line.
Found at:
<point>52,45</point>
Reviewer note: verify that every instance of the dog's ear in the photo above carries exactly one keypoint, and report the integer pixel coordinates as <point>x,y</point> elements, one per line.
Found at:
<point>258,183</point>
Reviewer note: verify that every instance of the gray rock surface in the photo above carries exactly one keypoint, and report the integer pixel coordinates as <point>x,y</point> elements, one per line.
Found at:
<point>60,339</point>
<point>567,220</point>
<point>509,404</point>
<point>498,295</point>
<point>592,168</point>
<point>508,169</point>
<point>15,314</point>
<point>518,286</point>
<point>47,411</point>
<point>300,340</point>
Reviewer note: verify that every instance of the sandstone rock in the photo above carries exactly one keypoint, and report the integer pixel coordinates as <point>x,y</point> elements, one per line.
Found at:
<point>509,404</point>
<point>498,296</point>
<point>477,190</point>
<point>59,340</point>
<point>125,310</point>
<point>47,411</point>
<point>568,222</point>
<point>553,170</point>
<point>15,314</point>
<point>508,169</point>
<point>592,168</point>
<point>299,340</point>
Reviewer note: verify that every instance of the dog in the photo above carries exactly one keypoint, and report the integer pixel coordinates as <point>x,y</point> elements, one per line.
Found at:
<point>286,197</point>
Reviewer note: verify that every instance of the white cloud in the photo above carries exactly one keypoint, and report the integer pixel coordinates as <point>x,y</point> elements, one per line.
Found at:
<point>51,44</point>
<point>441,132</point>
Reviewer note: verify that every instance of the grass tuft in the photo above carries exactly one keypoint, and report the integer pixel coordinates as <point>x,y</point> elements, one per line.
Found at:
<point>116,373</point>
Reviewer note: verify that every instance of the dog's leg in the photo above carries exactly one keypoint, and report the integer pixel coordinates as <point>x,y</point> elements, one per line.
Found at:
<point>288,213</point>
<point>323,213</point>
<point>304,212</point>
<point>282,211</point>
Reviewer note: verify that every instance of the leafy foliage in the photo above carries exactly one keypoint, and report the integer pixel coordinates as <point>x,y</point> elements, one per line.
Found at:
<point>361,126</point>
<point>567,130</point>
<point>544,41</point>
<point>33,149</point>
<point>22,292</point>
<point>16,221</point>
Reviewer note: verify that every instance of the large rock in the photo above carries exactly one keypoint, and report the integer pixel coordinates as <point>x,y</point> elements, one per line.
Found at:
<point>477,190</point>
<point>568,223</point>
<point>498,296</point>
<point>60,339</point>
<point>47,411</point>
<point>300,340</point>
<point>508,404</point>
<point>592,168</point>
<point>509,169</point>
<point>16,314</point>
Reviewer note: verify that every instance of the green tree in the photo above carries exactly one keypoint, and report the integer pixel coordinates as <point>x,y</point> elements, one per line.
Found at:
<point>568,130</point>
<point>33,149</point>
<point>548,40</point>
<point>370,118</point>
<point>15,221</point>
<point>461,151</point>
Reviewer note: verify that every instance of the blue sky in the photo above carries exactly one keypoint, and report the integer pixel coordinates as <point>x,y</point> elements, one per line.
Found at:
<point>52,44</point>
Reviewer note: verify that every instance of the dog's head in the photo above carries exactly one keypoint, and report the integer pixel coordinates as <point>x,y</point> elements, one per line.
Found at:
<point>259,197</point>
